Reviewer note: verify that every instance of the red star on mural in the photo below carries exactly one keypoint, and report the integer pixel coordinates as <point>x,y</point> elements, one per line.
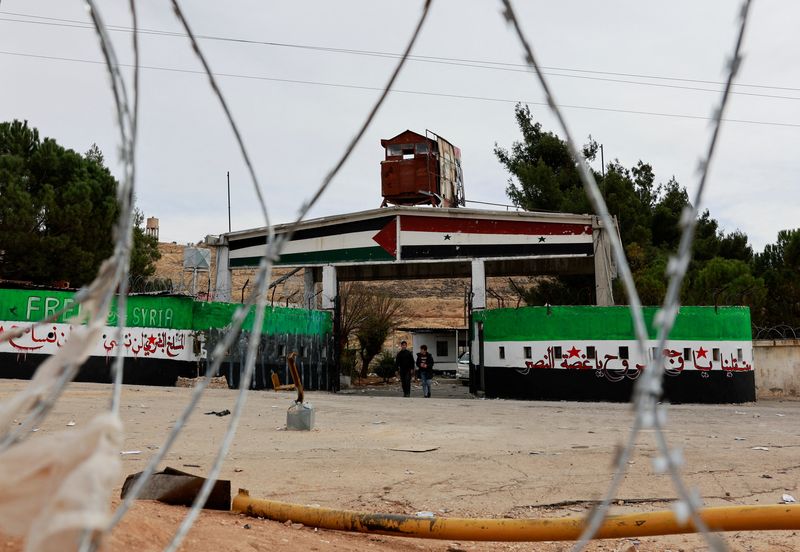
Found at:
<point>701,353</point>
<point>574,352</point>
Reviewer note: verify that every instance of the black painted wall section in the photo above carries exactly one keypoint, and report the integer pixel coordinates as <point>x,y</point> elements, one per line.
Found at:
<point>137,371</point>
<point>688,387</point>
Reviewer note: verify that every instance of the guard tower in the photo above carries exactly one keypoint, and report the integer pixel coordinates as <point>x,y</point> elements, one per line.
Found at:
<point>421,170</point>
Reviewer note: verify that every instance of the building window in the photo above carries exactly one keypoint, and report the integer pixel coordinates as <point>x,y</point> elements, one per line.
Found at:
<point>528,353</point>
<point>441,349</point>
<point>715,355</point>
<point>623,353</point>
<point>502,351</point>
<point>590,352</point>
<point>739,355</point>
<point>687,354</point>
<point>557,352</point>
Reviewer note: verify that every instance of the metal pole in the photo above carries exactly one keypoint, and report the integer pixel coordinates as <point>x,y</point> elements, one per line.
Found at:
<point>602,162</point>
<point>229,201</point>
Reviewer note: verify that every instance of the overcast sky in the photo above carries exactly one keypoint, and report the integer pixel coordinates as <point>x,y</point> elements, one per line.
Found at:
<point>640,77</point>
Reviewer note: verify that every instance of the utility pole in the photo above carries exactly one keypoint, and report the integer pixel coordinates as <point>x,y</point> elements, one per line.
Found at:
<point>602,163</point>
<point>229,200</point>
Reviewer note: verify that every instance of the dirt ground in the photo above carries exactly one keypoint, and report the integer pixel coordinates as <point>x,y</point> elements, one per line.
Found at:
<point>488,458</point>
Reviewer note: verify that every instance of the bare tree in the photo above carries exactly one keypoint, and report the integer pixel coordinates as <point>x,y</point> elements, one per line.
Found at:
<point>384,314</point>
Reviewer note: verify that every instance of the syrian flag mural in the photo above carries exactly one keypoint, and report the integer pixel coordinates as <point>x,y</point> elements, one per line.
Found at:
<point>590,353</point>
<point>412,237</point>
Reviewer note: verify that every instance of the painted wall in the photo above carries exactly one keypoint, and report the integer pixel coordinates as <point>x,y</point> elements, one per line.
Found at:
<point>164,337</point>
<point>778,368</point>
<point>590,353</point>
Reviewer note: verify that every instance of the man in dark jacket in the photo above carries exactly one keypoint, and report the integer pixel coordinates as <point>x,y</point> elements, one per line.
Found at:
<point>425,366</point>
<point>404,362</point>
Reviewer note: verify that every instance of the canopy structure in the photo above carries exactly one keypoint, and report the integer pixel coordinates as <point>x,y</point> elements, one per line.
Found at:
<point>401,242</point>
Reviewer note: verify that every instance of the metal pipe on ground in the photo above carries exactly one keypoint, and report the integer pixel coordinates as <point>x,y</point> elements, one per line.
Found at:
<point>727,518</point>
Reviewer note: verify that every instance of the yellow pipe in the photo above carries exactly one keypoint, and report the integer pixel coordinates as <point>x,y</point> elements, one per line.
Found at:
<point>727,518</point>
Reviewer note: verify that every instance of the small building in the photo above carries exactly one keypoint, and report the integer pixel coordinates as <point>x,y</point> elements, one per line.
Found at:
<point>421,170</point>
<point>445,344</point>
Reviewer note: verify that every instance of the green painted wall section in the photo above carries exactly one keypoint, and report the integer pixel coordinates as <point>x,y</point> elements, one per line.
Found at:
<point>598,323</point>
<point>169,312</point>
<point>277,320</point>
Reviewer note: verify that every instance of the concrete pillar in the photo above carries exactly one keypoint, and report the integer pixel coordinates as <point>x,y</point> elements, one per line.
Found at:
<point>309,289</point>
<point>329,287</point>
<point>223,281</point>
<point>478,285</point>
<point>604,268</point>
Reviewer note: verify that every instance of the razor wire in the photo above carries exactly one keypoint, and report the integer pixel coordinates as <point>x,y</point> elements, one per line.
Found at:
<point>649,415</point>
<point>113,276</point>
<point>258,297</point>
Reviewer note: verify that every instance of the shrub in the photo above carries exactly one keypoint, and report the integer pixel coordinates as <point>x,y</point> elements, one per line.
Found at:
<point>386,368</point>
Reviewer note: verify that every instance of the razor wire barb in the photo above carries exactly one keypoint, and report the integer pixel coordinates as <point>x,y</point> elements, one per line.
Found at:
<point>648,413</point>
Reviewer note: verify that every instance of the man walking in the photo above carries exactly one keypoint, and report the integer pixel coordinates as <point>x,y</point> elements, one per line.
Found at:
<point>425,366</point>
<point>404,362</point>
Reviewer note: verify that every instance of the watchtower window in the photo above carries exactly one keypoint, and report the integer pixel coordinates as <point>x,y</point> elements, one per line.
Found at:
<point>404,150</point>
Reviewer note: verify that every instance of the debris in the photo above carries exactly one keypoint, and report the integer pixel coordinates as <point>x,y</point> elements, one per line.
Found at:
<point>246,526</point>
<point>376,422</point>
<point>760,448</point>
<point>237,470</point>
<point>425,514</point>
<point>780,415</point>
<point>788,498</point>
<point>179,488</point>
<point>191,465</point>
<point>219,413</point>
<point>739,439</point>
<point>628,547</point>
<point>297,525</point>
<point>414,449</point>
<point>124,452</point>
<point>71,423</point>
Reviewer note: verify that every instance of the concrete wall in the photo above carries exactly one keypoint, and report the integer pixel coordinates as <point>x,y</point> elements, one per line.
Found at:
<point>777,367</point>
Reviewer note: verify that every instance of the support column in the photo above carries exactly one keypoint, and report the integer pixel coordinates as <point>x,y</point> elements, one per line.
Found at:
<point>222,281</point>
<point>477,375</point>
<point>309,289</point>
<point>604,268</point>
<point>329,287</point>
<point>478,285</point>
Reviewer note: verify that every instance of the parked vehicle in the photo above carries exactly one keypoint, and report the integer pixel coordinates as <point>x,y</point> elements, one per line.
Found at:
<point>462,368</point>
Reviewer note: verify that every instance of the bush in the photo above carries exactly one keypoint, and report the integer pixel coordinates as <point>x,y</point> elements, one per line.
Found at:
<point>386,368</point>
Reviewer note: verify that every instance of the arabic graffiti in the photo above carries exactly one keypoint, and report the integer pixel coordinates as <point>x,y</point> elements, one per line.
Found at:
<point>616,365</point>
<point>136,342</point>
